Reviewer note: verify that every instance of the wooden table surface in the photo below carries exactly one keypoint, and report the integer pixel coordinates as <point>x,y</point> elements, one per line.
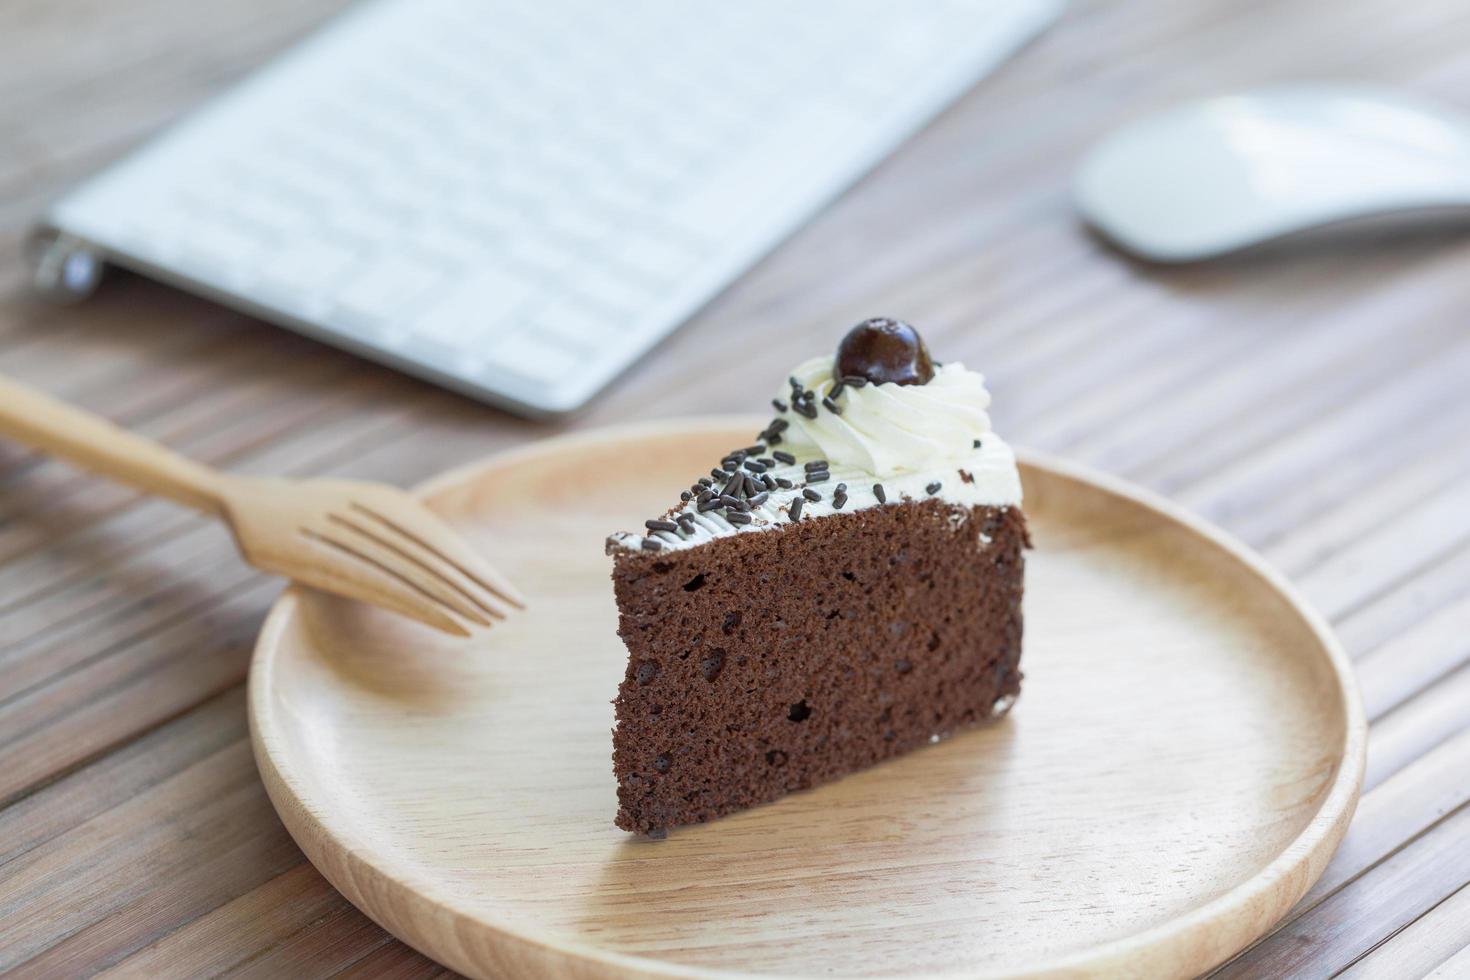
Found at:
<point>1311,400</point>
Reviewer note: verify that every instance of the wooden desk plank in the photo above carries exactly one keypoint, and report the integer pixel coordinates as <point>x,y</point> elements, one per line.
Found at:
<point>1452,968</point>
<point>1422,655</point>
<point>1429,941</point>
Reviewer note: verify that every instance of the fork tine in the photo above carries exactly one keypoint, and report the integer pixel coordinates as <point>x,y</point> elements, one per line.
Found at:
<point>403,567</point>
<point>455,588</point>
<point>372,583</point>
<point>429,532</point>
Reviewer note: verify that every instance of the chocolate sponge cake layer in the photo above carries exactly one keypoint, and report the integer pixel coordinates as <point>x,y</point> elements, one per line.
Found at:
<point>772,661</point>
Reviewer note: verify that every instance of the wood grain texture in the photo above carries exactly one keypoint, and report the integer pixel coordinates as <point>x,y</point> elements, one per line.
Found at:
<point>1310,400</point>
<point>464,802</point>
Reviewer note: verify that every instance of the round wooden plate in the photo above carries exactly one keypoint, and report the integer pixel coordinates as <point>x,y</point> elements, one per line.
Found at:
<point>1181,764</point>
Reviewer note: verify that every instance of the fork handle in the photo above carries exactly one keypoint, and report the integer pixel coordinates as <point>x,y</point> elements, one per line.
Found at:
<point>93,443</point>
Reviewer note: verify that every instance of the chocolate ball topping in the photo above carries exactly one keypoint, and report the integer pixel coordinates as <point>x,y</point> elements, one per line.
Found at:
<point>884,350</point>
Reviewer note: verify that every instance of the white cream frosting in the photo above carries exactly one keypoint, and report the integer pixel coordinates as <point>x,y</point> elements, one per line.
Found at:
<point>918,442</point>
<point>889,429</point>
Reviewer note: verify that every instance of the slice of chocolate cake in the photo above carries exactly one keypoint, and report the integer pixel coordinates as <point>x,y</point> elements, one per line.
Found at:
<point>845,589</point>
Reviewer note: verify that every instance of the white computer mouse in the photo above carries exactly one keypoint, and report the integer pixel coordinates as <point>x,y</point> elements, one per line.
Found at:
<point>1227,173</point>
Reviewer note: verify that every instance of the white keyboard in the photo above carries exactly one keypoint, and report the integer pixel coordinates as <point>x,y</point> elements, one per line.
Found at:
<point>518,199</point>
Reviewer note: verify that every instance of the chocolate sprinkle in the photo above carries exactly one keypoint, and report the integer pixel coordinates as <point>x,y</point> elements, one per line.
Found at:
<point>733,485</point>
<point>830,405</point>
<point>820,477</point>
<point>755,466</point>
<point>651,545</point>
<point>782,457</point>
<point>933,488</point>
<point>784,483</point>
<point>759,499</point>
<point>737,517</point>
<point>755,450</point>
<point>774,439</point>
<point>838,499</point>
<point>718,474</point>
<point>685,495</point>
<point>816,464</point>
<point>705,481</point>
<point>879,493</point>
<point>780,406</point>
<point>732,503</point>
<point>767,482</point>
<point>796,506</point>
<point>780,425</point>
<point>810,494</point>
<point>836,391</point>
<point>854,380</point>
<point>706,494</point>
<point>977,443</point>
<point>711,504</point>
<point>766,461</point>
<point>805,408</point>
<point>661,525</point>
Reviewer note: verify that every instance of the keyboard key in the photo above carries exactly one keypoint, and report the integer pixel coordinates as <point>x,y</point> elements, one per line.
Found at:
<point>224,246</point>
<point>539,256</point>
<point>785,157</point>
<point>488,219</point>
<point>312,265</point>
<point>367,227</point>
<point>451,245</point>
<point>574,324</point>
<point>530,354</point>
<point>579,224</point>
<point>475,308</point>
<point>656,254</point>
<point>388,286</point>
<point>278,217</point>
<point>609,291</point>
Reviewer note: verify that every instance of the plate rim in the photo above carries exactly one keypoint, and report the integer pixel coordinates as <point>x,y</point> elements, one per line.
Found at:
<point>1251,908</point>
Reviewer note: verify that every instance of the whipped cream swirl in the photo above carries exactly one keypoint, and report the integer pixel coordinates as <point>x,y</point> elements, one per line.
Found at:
<point>888,429</point>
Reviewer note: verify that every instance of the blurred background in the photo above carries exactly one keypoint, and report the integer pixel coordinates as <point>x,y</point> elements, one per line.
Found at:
<point>1308,395</point>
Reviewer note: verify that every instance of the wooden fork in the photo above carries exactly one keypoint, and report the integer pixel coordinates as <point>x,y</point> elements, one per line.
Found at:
<point>366,541</point>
